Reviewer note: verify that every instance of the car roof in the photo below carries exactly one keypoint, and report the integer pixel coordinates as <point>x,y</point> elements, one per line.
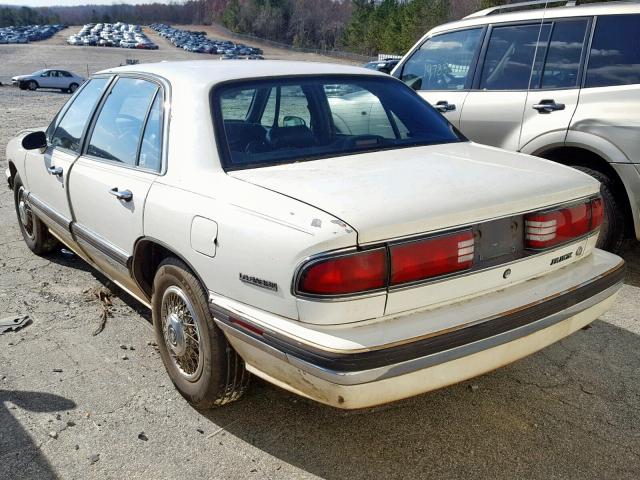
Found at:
<point>583,10</point>
<point>211,72</point>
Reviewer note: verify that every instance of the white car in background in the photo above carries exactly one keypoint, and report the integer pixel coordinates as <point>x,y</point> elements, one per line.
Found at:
<point>348,256</point>
<point>49,78</point>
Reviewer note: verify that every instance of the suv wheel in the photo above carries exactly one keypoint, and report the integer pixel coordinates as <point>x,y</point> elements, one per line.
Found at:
<point>202,365</point>
<point>613,225</point>
<point>35,233</point>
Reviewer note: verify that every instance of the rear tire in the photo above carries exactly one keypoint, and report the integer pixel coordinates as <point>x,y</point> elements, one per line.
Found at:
<point>201,363</point>
<point>613,226</point>
<point>35,233</point>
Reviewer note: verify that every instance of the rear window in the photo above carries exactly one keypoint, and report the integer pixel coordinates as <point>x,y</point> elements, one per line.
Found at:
<point>276,121</point>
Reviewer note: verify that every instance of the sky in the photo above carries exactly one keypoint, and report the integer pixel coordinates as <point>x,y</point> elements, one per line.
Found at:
<point>51,3</point>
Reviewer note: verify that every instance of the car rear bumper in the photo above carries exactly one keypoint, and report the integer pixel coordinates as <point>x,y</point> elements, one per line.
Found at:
<point>365,378</point>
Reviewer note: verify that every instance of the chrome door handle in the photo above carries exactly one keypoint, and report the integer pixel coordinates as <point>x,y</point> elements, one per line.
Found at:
<point>444,106</point>
<point>548,106</point>
<point>53,170</point>
<point>125,195</point>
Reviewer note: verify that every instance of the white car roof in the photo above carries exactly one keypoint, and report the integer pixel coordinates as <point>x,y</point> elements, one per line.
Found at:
<point>210,72</point>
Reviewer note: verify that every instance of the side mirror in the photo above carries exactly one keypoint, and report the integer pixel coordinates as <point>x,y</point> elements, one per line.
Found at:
<point>415,83</point>
<point>292,121</point>
<point>34,140</point>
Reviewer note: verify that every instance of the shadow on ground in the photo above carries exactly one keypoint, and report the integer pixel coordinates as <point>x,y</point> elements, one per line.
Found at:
<point>20,457</point>
<point>570,411</point>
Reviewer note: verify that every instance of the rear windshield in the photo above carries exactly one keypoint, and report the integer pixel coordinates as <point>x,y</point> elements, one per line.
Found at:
<point>276,121</point>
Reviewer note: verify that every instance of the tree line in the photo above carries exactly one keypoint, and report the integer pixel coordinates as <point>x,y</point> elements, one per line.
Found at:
<point>361,26</point>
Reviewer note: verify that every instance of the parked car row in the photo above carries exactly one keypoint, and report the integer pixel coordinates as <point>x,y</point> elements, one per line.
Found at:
<point>198,42</point>
<point>123,35</point>
<point>28,33</point>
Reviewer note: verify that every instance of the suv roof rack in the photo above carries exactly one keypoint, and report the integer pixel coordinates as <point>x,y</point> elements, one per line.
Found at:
<point>531,5</point>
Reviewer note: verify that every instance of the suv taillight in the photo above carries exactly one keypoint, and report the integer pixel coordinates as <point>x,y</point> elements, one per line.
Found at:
<point>555,227</point>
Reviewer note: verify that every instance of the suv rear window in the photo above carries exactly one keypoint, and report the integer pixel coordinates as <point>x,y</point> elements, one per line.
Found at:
<point>615,52</point>
<point>275,121</point>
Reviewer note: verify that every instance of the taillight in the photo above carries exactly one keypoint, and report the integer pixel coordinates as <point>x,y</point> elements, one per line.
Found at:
<point>555,227</point>
<point>432,257</point>
<point>346,274</point>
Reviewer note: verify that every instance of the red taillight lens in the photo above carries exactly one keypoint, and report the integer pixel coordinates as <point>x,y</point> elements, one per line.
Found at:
<point>353,273</point>
<point>414,261</point>
<point>547,229</point>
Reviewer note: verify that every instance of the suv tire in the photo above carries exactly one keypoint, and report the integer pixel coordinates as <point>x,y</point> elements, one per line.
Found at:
<point>202,364</point>
<point>613,226</point>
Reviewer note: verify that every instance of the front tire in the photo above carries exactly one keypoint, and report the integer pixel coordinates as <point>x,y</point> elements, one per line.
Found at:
<point>202,365</point>
<point>613,225</point>
<point>73,87</point>
<point>35,233</point>
<point>32,85</point>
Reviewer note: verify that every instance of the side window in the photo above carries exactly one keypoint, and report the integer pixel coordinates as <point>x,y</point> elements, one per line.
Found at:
<point>151,147</point>
<point>45,74</point>
<point>64,74</point>
<point>561,56</point>
<point>509,59</point>
<point>442,62</point>
<point>615,53</point>
<point>68,132</point>
<point>117,131</point>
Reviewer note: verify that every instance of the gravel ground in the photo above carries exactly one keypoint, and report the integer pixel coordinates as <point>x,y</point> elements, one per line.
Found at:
<point>72,407</point>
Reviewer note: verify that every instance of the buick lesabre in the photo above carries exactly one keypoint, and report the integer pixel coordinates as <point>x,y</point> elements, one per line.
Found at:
<point>319,226</point>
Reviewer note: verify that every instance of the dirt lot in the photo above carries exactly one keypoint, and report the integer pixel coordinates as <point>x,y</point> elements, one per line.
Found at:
<point>74,405</point>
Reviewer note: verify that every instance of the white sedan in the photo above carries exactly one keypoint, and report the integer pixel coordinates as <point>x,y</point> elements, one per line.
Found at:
<point>319,226</point>
<point>50,78</point>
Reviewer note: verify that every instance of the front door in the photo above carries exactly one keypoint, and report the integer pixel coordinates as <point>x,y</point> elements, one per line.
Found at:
<point>492,112</point>
<point>110,181</point>
<point>441,70</point>
<point>48,171</point>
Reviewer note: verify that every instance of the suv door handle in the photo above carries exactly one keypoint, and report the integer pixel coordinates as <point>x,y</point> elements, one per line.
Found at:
<point>548,106</point>
<point>53,170</point>
<point>444,106</point>
<point>125,195</point>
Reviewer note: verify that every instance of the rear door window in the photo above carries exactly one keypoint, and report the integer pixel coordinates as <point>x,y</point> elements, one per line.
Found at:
<point>68,133</point>
<point>614,58</point>
<point>443,62</point>
<point>509,59</point>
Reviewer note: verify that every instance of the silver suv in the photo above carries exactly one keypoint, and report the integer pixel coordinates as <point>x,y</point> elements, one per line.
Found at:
<point>559,82</point>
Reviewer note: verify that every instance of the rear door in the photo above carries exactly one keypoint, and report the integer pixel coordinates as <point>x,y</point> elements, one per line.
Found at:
<point>110,181</point>
<point>493,111</point>
<point>555,84</point>
<point>441,70</point>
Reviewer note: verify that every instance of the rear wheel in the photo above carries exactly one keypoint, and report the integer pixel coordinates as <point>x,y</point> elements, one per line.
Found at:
<point>35,233</point>
<point>613,225</point>
<point>205,369</point>
<point>32,85</point>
